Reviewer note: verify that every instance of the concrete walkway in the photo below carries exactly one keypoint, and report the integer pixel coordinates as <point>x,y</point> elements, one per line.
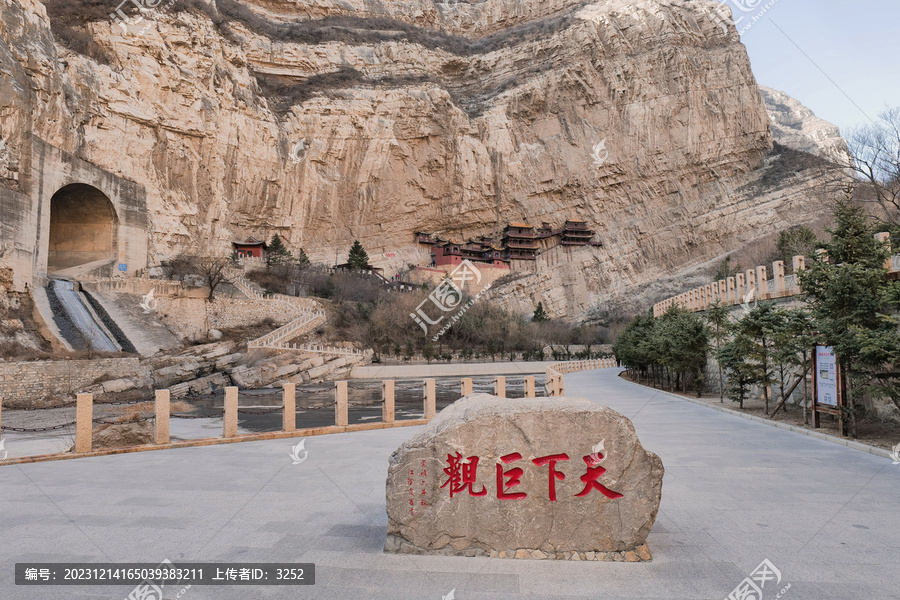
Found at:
<point>735,492</point>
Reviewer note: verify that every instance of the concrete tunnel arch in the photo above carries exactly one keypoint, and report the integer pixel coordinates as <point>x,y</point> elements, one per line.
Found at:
<point>83,227</point>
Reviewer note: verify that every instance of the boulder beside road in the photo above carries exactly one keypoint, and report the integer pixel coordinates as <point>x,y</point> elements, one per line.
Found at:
<point>557,478</point>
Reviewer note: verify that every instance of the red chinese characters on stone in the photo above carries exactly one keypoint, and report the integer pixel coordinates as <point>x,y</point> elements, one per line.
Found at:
<point>411,501</point>
<point>514,477</point>
<point>461,475</point>
<point>554,474</point>
<point>423,473</point>
<point>593,474</point>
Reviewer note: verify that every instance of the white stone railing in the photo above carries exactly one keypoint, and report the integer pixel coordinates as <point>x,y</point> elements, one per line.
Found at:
<point>322,349</point>
<point>300,326</point>
<point>554,384</point>
<point>251,290</point>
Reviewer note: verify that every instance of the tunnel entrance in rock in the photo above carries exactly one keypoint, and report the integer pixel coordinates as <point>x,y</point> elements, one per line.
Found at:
<point>83,227</point>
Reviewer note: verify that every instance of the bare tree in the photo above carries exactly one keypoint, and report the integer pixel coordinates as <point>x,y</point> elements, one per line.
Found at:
<point>876,153</point>
<point>213,270</point>
<point>178,268</point>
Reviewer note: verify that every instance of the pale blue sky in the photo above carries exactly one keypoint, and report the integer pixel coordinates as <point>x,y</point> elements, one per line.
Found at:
<point>855,42</point>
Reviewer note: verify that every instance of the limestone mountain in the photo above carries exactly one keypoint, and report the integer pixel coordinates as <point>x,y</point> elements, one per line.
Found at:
<point>797,127</point>
<point>327,121</point>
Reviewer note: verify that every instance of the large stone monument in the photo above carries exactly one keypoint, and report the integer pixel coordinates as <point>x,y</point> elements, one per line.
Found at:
<point>560,478</point>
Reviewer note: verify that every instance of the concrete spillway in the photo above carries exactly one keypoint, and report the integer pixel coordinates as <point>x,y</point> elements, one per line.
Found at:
<point>79,313</point>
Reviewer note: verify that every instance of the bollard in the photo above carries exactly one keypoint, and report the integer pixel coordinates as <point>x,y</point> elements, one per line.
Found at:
<point>231,415</point>
<point>500,387</point>
<point>466,386</point>
<point>341,408</point>
<point>84,415</point>
<point>387,397</point>
<point>529,386</point>
<point>430,408</point>
<point>289,402</point>
<point>162,416</point>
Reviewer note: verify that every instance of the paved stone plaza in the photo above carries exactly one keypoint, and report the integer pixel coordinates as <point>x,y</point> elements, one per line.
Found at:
<point>735,493</point>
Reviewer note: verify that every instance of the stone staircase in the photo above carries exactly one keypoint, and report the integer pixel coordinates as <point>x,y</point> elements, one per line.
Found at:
<point>307,322</point>
<point>251,290</point>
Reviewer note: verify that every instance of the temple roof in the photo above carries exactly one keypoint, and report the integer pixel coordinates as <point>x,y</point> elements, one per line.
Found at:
<point>250,241</point>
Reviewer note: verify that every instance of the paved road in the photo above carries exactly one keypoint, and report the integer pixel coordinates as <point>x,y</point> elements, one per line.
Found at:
<point>735,492</point>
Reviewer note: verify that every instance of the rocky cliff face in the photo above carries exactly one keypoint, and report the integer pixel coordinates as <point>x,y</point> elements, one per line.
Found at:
<point>444,117</point>
<point>797,127</point>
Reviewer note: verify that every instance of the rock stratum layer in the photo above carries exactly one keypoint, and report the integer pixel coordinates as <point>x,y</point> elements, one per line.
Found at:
<point>452,118</point>
<point>528,478</point>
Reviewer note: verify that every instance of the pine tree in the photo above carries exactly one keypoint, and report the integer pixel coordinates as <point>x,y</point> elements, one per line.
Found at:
<point>717,317</point>
<point>681,340</point>
<point>540,316</point>
<point>762,326</point>
<point>277,253</point>
<point>742,373</point>
<point>358,259</point>
<point>855,307</point>
<point>302,259</point>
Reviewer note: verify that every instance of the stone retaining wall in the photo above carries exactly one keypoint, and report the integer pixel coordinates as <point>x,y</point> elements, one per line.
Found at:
<point>23,382</point>
<point>192,318</point>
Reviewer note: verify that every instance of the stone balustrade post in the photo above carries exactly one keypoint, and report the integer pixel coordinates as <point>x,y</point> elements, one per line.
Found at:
<point>289,410</point>
<point>466,386</point>
<point>529,386</point>
<point>778,275</point>
<point>500,387</point>
<point>430,399</point>
<point>799,264</point>
<point>723,291</point>
<point>731,297</point>
<point>163,412</point>
<point>762,282</point>
<point>739,286</point>
<point>84,426</point>
<point>341,404</point>
<point>229,429</point>
<point>387,400</point>
<point>885,239</point>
